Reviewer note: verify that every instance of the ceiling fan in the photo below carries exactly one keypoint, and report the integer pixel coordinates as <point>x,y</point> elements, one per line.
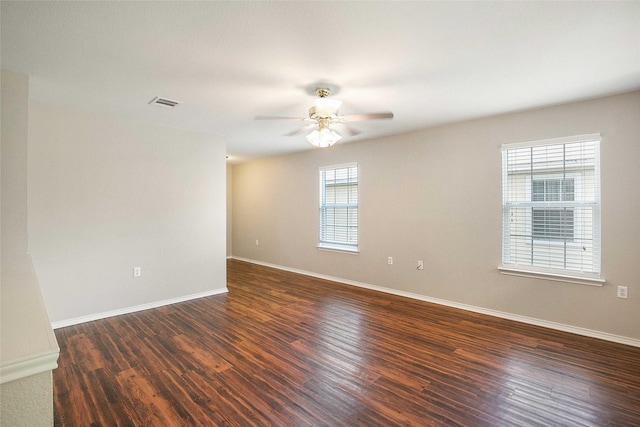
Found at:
<point>322,115</point>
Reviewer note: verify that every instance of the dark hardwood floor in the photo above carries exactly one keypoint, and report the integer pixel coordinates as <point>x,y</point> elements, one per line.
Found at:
<point>282,349</point>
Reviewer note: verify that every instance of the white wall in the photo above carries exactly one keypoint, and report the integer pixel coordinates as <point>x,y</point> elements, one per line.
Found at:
<point>15,95</point>
<point>109,194</point>
<point>435,195</point>
<point>28,346</point>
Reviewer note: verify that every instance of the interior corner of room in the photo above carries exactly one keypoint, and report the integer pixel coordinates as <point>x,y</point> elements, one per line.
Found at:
<point>106,211</point>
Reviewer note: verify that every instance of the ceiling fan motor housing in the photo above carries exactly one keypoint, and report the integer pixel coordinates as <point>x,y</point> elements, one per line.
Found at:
<point>324,108</point>
<point>316,113</point>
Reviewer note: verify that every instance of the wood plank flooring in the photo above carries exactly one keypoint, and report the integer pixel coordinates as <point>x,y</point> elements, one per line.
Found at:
<point>282,349</point>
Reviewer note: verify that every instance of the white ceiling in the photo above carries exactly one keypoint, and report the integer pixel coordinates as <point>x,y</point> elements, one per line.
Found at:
<point>428,62</point>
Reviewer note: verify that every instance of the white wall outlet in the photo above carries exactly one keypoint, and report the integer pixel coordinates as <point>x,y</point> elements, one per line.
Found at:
<point>390,260</point>
<point>257,242</point>
<point>137,272</point>
<point>622,292</point>
<point>420,265</point>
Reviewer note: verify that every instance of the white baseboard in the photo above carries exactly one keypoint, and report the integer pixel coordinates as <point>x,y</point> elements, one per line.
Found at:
<point>127,310</point>
<point>515,317</point>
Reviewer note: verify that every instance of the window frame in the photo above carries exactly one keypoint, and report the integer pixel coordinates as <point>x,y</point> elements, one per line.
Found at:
<point>325,243</point>
<point>511,265</point>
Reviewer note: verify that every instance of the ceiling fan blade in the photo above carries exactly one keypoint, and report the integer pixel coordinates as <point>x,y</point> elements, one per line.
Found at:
<point>368,116</point>
<point>351,131</point>
<point>278,118</point>
<point>299,130</point>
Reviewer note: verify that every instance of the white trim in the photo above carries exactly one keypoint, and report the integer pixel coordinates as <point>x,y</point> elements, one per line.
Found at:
<point>29,366</point>
<point>30,346</point>
<point>504,315</point>
<point>133,309</point>
<point>563,277</point>
<point>552,141</point>
<point>340,166</point>
<point>336,247</point>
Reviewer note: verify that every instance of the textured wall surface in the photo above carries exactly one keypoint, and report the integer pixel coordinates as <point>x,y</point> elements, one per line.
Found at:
<point>27,402</point>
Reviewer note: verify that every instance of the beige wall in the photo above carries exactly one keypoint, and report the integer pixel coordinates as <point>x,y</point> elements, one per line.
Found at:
<point>108,194</point>
<point>435,195</point>
<point>229,210</point>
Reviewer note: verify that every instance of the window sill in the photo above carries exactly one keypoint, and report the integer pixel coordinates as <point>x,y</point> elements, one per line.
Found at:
<point>558,277</point>
<point>338,248</point>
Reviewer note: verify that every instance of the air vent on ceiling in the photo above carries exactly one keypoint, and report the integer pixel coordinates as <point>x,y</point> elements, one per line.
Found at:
<point>164,102</point>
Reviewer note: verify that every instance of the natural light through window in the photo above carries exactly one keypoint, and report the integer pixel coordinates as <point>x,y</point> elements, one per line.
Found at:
<point>551,207</point>
<point>338,207</point>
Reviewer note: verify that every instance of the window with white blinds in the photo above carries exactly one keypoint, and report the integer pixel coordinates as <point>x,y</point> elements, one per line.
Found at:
<point>551,206</point>
<point>338,207</point>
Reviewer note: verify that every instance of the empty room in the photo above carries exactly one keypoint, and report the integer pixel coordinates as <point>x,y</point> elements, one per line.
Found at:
<point>320,213</point>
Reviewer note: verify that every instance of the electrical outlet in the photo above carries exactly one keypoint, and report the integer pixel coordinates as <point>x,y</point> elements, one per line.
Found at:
<point>390,260</point>
<point>257,242</point>
<point>622,292</point>
<point>420,265</point>
<point>137,272</point>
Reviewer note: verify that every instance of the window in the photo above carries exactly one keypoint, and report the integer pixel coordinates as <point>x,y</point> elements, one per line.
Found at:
<point>552,223</point>
<point>338,207</point>
<point>551,207</point>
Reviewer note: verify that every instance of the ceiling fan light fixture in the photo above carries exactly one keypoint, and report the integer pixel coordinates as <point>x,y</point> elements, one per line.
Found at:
<point>326,107</point>
<point>323,138</point>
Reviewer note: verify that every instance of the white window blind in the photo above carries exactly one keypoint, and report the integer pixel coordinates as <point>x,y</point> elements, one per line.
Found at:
<point>338,207</point>
<point>551,205</point>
